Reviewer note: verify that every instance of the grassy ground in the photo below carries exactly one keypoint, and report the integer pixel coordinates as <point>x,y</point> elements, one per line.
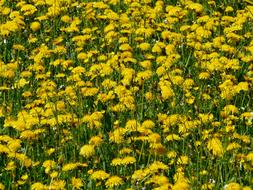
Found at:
<point>133,94</point>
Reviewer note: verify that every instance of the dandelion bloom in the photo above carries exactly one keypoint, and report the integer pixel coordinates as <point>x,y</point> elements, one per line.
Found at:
<point>99,175</point>
<point>77,183</point>
<point>232,186</point>
<point>113,181</point>
<point>215,146</point>
<point>35,26</point>
<point>70,166</point>
<point>37,186</point>
<point>87,151</point>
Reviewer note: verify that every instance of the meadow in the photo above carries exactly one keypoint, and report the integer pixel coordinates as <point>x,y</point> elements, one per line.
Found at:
<point>126,94</point>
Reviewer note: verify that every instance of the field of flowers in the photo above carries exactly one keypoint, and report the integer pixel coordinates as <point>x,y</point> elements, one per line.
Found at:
<point>126,94</point>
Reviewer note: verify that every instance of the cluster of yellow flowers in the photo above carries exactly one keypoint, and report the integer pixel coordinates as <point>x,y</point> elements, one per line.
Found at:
<point>126,94</point>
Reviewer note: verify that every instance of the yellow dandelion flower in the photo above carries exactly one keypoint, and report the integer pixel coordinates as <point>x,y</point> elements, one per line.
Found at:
<point>87,151</point>
<point>149,124</point>
<point>132,125</point>
<point>245,139</point>
<point>229,9</point>
<point>229,109</point>
<point>149,96</point>
<point>66,19</point>
<point>38,186</point>
<point>125,47</point>
<point>154,138</point>
<point>24,177</point>
<point>204,75</point>
<point>183,160</point>
<point>246,188</point>
<point>35,26</point>
<point>99,175</point>
<point>232,186</point>
<point>26,94</point>
<point>123,40</point>
<point>28,9</point>
<point>82,56</point>
<point>113,181</point>
<point>117,162</point>
<point>128,160</point>
<point>167,92</point>
<point>159,180</point>
<point>113,2</point>
<point>77,183</point>
<point>10,166</point>
<point>171,154</point>
<point>173,137</point>
<point>203,172</point>
<point>95,140</point>
<point>125,151</point>
<point>156,166</point>
<point>58,185</point>
<point>144,46</point>
<point>207,186</point>
<point>14,145</point>
<point>182,183</point>
<point>69,166</point>
<point>233,146</point>
<point>198,8</point>
<point>215,146</point>
<point>54,174</point>
<point>48,164</point>
<point>27,134</point>
<point>249,157</point>
<point>117,136</point>
<point>247,115</point>
<point>140,174</point>
<point>50,151</point>
<point>5,138</point>
<point>156,49</point>
<point>164,187</point>
<point>205,118</point>
<point>5,10</point>
<point>18,47</point>
<point>177,80</point>
<point>146,64</point>
<point>2,187</point>
<point>242,86</point>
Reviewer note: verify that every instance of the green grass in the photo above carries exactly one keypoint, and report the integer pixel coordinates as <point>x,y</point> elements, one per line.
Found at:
<point>59,116</point>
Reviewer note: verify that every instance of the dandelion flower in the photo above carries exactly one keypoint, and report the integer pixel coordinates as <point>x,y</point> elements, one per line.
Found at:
<point>37,186</point>
<point>2,186</point>
<point>173,137</point>
<point>129,160</point>
<point>156,166</point>
<point>58,184</point>
<point>144,46</point>
<point>204,75</point>
<point>184,160</point>
<point>215,146</point>
<point>116,162</point>
<point>35,26</point>
<point>77,183</point>
<point>232,186</point>
<point>70,166</point>
<point>95,140</point>
<point>54,174</point>
<point>87,151</point>
<point>113,181</point>
<point>99,175</point>
<point>10,166</point>
<point>125,151</point>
